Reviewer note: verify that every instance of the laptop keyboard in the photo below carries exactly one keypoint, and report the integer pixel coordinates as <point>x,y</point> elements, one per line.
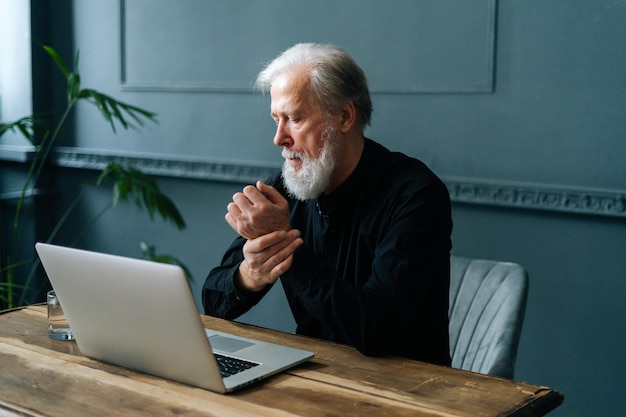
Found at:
<point>231,366</point>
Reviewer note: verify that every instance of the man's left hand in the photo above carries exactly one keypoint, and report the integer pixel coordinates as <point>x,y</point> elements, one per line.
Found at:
<point>257,211</point>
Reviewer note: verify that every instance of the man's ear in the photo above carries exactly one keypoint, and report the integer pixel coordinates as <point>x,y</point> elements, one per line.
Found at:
<point>348,117</point>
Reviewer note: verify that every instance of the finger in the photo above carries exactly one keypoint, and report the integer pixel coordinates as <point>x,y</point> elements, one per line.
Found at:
<point>234,210</point>
<point>278,252</point>
<point>236,220</point>
<point>254,195</point>
<point>267,251</point>
<point>269,192</point>
<point>266,242</point>
<point>281,268</point>
<point>266,266</point>
<point>284,258</point>
<point>279,239</point>
<point>242,201</point>
<point>232,222</point>
<point>270,268</point>
<point>284,248</point>
<point>232,215</point>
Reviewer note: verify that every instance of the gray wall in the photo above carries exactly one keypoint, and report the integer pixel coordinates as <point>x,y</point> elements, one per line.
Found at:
<point>518,105</point>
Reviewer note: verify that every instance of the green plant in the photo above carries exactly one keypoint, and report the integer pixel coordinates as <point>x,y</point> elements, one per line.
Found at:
<point>128,183</point>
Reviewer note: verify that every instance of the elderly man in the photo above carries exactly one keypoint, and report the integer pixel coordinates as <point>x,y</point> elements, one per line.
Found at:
<point>359,235</point>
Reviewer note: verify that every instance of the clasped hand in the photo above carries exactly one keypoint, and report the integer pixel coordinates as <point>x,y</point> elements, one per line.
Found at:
<point>261,215</point>
<point>257,211</point>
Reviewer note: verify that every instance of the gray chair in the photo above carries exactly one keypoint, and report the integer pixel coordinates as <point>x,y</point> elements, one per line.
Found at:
<point>487,306</point>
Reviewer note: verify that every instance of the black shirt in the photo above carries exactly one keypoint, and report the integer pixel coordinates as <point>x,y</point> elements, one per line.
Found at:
<point>374,269</point>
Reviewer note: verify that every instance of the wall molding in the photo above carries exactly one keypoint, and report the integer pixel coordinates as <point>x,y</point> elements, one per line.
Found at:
<point>528,196</point>
<point>483,84</point>
<point>166,166</point>
<point>537,197</point>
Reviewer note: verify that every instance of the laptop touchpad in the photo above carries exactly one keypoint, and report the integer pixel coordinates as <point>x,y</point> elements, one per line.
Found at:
<point>227,344</point>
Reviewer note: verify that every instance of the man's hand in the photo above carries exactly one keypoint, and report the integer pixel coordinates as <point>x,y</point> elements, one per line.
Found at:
<point>267,258</point>
<point>257,211</point>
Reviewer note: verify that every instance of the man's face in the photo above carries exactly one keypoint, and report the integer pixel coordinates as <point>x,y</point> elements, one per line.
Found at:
<point>306,135</point>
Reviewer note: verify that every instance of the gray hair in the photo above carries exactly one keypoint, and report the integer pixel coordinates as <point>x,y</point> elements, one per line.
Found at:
<point>335,77</point>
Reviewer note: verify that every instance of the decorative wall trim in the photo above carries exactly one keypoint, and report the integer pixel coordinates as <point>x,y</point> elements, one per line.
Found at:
<point>609,203</point>
<point>167,166</point>
<point>537,197</point>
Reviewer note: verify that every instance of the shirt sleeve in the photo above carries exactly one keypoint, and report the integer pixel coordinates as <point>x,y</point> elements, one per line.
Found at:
<point>220,297</point>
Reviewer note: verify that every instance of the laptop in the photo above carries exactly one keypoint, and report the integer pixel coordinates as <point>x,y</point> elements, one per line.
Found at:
<point>141,315</point>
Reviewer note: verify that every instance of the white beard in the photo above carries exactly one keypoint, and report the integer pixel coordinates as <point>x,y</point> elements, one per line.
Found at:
<point>314,175</point>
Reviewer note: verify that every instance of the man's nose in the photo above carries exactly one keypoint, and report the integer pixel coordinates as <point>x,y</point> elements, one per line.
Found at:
<point>282,136</point>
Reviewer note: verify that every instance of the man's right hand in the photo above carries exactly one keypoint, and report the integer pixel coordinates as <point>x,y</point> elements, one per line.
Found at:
<point>266,258</point>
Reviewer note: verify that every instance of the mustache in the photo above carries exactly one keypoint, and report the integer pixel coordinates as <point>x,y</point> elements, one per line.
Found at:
<point>287,154</point>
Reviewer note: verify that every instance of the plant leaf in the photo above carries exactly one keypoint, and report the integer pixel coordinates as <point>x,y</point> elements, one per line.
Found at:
<point>32,128</point>
<point>25,126</point>
<point>116,111</point>
<point>73,86</point>
<point>58,60</point>
<point>130,182</point>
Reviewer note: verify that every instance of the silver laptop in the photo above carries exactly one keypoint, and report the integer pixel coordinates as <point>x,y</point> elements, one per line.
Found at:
<point>141,315</point>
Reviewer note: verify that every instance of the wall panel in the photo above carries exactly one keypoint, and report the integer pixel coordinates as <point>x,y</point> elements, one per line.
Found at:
<point>218,46</point>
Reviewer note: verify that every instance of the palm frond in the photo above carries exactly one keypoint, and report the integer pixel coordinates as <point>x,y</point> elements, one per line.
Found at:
<point>113,110</point>
<point>30,127</point>
<point>58,60</point>
<point>129,182</point>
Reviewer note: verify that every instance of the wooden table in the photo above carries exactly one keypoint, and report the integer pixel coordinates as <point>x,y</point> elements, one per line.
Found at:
<point>43,377</point>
